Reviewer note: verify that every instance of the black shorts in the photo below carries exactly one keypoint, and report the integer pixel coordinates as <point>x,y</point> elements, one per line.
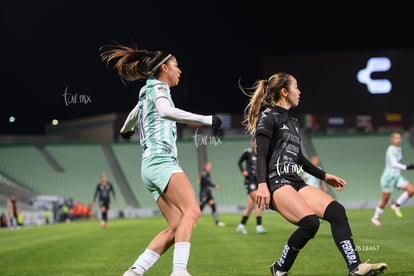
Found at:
<point>104,202</point>
<point>250,187</point>
<point>205,197</point>
<point>277,181</point>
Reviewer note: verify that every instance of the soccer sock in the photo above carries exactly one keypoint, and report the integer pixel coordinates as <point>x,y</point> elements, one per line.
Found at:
<point>378,212</point>
<point>244,220</point>
<point>145,261</point>
<point>402,199</point>
<point>308,226</point>
<point>214,212</point>
<point>181,255</point>
<point>259,220</point>
<point>341,232</point>
<point>104,216</point>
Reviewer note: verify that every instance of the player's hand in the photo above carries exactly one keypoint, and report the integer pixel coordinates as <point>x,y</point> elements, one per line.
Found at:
<point>216,124</point>
<point>218,186</point>
<point>410,167</point>
<point>245,173</point>
<point>127,135</point>
<point>336,182</point>
<point>263,196</point>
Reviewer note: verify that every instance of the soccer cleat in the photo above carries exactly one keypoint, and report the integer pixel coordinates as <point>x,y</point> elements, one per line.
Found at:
<point>242,229</point>
<point>103,224</point>
<point>260,229</point>
<point>180,272</point>
<point>131,272</point>
<point>277,272</point>
<point>220,224</point>
<point>366,269</point>
<point>396,210</point>
<point>376,222</point>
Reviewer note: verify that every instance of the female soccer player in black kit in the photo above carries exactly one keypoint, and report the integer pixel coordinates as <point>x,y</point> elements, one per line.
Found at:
<point>103,191</point>
<point>206,195</point>
<point>279,162</point>
<point>247,166</point>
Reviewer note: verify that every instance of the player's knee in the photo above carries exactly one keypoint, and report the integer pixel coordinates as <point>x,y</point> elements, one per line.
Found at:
<point>410,189</point>
<point>192,214</point>
<point>309,226</point>
<point>196,213</point>
<point>335,211</point>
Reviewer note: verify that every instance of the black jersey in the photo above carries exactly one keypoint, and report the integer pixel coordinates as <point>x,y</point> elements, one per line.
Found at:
<point>247,162</point>
<point>206,184</point>
<point>284,158</point>
<point>104,192</point>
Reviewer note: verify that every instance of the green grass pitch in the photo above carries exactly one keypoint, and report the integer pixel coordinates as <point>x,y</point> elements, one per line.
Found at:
<point>84,248</point>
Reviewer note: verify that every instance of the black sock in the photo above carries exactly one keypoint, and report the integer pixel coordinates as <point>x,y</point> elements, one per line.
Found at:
<point>308,226</point>
<point>214,213</point>
<point>104,216</point>
<point>244,220</point>
<point>259,220</point>
<point>341,233</point>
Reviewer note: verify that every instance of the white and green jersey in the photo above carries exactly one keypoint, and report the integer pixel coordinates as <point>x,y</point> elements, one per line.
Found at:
<point>393,158</point>
<point>155,116</point>
<point>157,135</point>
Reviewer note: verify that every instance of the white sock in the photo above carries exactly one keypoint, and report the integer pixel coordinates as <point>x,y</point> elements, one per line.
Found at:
<point>402,198</point>
<point>145,261</point>
<point>378,212</point>
<point>181,255</point>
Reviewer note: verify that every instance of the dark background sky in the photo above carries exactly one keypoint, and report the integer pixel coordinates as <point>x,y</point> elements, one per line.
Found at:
<point>51,47</point>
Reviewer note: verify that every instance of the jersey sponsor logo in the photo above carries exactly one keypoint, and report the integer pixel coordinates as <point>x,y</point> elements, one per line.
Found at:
<point>284,127</point>
<point>160,89</point>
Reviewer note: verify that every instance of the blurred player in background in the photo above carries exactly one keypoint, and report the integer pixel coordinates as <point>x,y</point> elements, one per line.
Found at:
<point>247,166</point>
<point>104,190</point>
<point>391,178</point>
<point>206,195</point>
<point>314,181</point>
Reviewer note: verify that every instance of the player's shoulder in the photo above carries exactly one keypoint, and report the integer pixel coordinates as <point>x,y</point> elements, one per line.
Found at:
<point>157,85</point>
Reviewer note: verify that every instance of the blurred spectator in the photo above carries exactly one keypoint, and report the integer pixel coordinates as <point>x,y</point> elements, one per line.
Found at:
<point>80,210</point>
<point>47,216</point>
<point>3,220</point>
<point>13,211</point>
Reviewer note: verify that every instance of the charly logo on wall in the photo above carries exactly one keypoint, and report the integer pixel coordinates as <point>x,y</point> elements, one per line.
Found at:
<point>375,86</point>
